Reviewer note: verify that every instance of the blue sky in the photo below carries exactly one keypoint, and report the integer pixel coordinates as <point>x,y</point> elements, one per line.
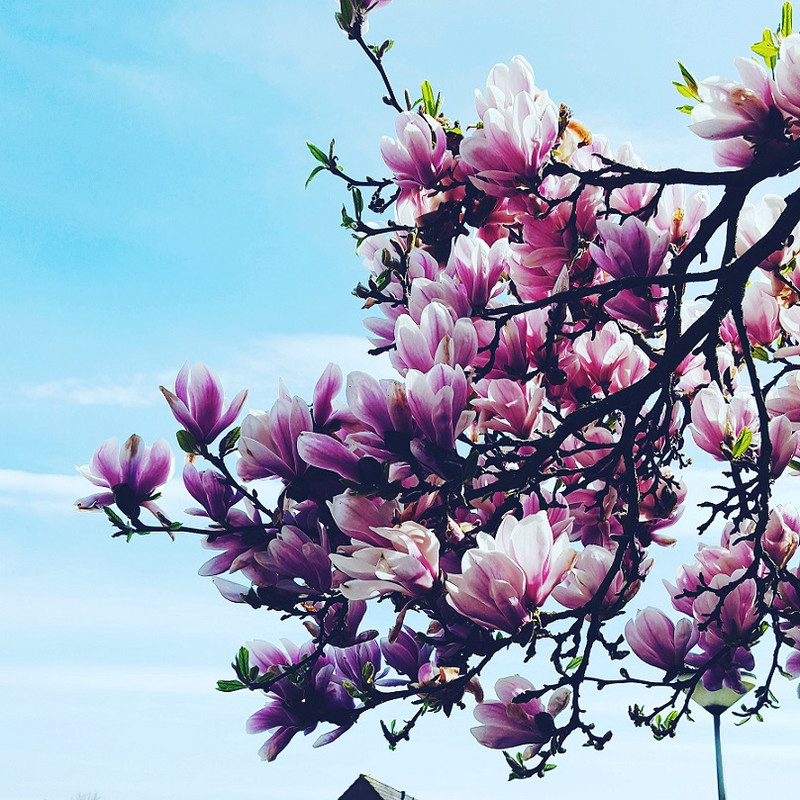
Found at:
<point>153,211</point>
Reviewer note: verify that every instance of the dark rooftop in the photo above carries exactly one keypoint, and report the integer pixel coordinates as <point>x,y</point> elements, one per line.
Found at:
<point>366,788</point>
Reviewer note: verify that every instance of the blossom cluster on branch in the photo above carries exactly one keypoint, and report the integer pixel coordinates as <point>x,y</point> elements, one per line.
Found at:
<point>557,325</point>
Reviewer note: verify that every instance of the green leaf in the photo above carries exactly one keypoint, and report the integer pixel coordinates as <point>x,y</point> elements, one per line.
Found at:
<point>760,353</point>
<point>230,439</point>
<point>114,517</point>
<point>794,464</point>
<point>767,49</point>
<point>684,90</point>
<point>229,686</point>
<point>313,173</point>
<point>691,82</point>
<point>347,220</point>
<point>742,443</point>
<point>685,109</point>
<point>431,105</point>
<point>786,20</point>
<point>574,664</point>
<point>318,154</point>
<point>358,201</point>
<point>243,661</point>
<point>175,526</point>
<point>186,442</point>
<point>548,767</point>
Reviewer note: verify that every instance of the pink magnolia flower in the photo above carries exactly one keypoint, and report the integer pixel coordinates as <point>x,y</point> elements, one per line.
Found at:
<point>506,724</point>
<point>197,403</point>
<point>610,358</point>
<point>680,216</point>
<point>509,407</point>
<point>717,423</point>
<point>504,578</point>
<point>292,706</point>
<point>760,310</point>
<point>634,197</point>
<point>786,400</point>
<point>657,641</point>
<point>787,79</point>
<point>131,473</point>
<point>419,157</point>
<point>755,222</point>
<point>588,573</point>
<point>513,144</point>
<point>785,442</point>
<point>490,590</point>
<point>530,543</point>
<point>729,615</point>
<point>504,83</point>
<point>782,534</point>
<point>552,243</point>
<point>358,516</point>
<point>632,250</point>
<point>407,563</point>
<point>436,340</point>
<point>478,266</point>
<point>691,579</point>
<point>729,109</point>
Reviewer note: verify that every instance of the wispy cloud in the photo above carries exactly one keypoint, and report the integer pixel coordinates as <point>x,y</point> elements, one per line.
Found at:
<point>139,391</point>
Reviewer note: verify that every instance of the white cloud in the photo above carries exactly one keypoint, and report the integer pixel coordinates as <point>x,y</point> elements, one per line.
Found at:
<point>139,391</point>
<point>298,361</point>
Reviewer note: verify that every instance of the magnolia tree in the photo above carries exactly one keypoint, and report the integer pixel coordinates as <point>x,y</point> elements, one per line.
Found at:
<point>560,331</point>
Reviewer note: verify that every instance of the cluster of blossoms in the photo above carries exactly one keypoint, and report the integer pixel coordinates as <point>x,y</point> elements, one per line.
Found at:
<point>511,486</point>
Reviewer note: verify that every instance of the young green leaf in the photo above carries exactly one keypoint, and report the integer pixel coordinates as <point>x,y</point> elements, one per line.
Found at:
<point>186,442</point>
<point>313,173</point>
<point>742,443</point>
<point>574,664</point>
<point>691,81</point>
<point>229,686</point>
<point>431,105</point>
<point>318,154</point>
<point>767,49</point>
<point>358,201</point>
<point>786,21</point>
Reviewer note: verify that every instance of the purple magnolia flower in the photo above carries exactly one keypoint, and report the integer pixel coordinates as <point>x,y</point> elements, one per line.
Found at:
<point>630,250</point>
<point>405,655</point>
<point>438,400</point>
<point>655,638</point>
<point>291,708</point>
<point>197,403</point>
<point>360,664</point>
<point>508,724</point>
<point>132,474</point>
<point>268,442</point>
<point>293,554</point>
<point>339,624</point>
<point>211,490</point>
